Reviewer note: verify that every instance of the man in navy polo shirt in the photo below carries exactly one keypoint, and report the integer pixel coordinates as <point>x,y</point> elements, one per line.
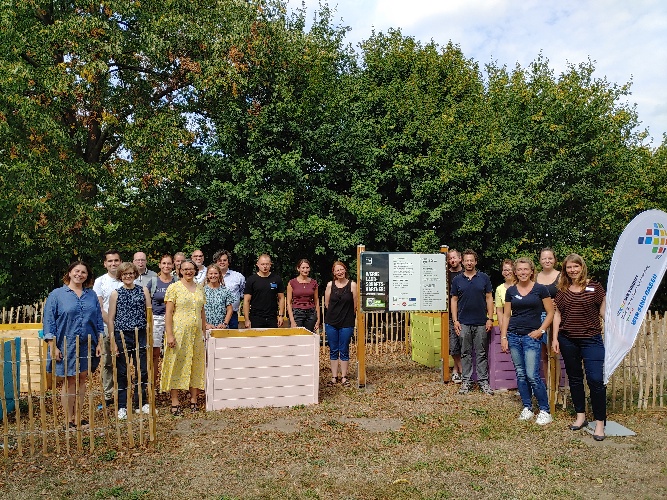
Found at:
<point>472,313</point>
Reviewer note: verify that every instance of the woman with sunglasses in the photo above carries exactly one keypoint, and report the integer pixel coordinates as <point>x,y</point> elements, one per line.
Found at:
<point>183,367</point>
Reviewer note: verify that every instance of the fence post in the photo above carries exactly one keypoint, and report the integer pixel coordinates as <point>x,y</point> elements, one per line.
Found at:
<point>444,326</point>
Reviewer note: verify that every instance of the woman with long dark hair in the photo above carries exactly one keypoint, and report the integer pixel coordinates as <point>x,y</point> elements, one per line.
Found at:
<point>577,336</point>
<point>303,306</point>
<point>73,311</point>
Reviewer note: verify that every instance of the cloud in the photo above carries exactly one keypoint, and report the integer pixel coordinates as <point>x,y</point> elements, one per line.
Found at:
<point>626,39</point>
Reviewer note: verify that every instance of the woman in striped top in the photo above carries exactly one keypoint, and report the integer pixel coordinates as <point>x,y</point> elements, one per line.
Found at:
<point>577,335</point>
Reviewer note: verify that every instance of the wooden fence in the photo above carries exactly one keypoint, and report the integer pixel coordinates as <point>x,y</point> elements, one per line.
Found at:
<point>40,422</point>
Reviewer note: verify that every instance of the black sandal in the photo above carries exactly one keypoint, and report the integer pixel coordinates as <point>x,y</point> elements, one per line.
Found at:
<point>344,382</point>
<point>194,408</point>
<point>332,382</point>
<point>176,411</point>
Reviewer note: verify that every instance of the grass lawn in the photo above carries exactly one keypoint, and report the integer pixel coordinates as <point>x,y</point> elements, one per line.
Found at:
<point>405,436</point>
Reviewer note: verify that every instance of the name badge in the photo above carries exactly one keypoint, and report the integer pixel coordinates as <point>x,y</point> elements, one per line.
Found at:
<point>274,286</point>
<point>590,289</point>
<point>518,297</point>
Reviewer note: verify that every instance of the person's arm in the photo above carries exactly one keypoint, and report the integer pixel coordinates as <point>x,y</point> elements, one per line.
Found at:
<point>246,309</point>
<point>50,326</point>
<point>228,316</point>
<point>99,325</point>
<point>281,308</point>
<point>111,317</point>
<point>506,315</point>
<point>489,311</point>
<point>203,321</point>
<point>500,307</point>
<point>556,325</point>
<point>454,306</point>
<point>290,313</point>
<point>317,308</point>
<point>353,288</point>
<point>603,306</point>
<point>105,317</point>
<point>169,324</point>
<point>327,295</point>
<point>549,308</point>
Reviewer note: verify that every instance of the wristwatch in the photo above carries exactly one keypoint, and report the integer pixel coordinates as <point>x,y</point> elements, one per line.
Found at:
<point>543,332</point>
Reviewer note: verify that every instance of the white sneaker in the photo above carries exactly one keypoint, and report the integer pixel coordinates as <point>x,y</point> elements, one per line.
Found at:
<point>544,418</point>
<point>122,414</point>
<point>144,409</point>
<point>456,377</point>
<point>526,414</point>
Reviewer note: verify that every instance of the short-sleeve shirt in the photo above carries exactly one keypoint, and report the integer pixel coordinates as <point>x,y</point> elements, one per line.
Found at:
<point>103,287</point>
<point>303,294</point>
<point>526,309</point>
<point>471,293</point>
<point>217,300</point>
<point>580,311</point>
<point>264,292</point>
<point>157,298</point>
<point>501,291</point>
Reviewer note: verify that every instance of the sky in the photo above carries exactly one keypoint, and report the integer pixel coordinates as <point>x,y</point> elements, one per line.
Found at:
<point>626,40</point>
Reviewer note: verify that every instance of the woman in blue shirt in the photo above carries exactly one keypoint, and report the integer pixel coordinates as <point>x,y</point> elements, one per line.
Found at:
<point>521,334</point>
<point>73,311</point>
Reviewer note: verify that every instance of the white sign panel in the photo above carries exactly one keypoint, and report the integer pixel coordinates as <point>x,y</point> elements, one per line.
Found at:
<point>417,282</point>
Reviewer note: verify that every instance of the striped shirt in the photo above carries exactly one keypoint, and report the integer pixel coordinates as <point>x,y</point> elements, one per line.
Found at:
<point>580,311</point>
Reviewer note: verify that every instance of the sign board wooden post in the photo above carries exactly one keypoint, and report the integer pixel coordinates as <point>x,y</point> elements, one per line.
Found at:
<point>361,326</point>
<point>444,328</point>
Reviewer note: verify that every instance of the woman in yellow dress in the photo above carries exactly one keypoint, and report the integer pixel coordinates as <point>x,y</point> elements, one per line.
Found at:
<point>184,361</point>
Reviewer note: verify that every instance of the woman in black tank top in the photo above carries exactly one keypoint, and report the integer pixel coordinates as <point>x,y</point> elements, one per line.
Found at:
<point>340,302</point>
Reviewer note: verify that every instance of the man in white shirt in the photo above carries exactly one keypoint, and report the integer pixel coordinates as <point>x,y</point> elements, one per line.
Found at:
<point>145,274</point>
<point>234,281</point>
<point>103,287</point>
<point>198,258</point>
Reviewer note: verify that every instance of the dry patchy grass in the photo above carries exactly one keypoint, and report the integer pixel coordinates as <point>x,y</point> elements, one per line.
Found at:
<point>405,436</point>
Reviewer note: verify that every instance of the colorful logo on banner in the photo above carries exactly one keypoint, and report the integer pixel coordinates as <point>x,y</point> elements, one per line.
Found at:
<point>656,237</point>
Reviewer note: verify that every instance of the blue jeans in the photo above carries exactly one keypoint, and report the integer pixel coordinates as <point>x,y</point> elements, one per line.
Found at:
<point>474,337</point>
<point>526,354</point>
<point>590,350</point>
<point>339,342</point>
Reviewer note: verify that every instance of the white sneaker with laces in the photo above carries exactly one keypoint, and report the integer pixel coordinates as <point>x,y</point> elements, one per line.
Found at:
<point>544,418</point>
<point>526,414</point>
<point>122,414</point>
<point>456,378</point>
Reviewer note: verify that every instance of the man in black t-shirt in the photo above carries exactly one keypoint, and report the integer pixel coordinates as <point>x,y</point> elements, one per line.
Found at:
<point>455,268</point>
<point>264,291</point>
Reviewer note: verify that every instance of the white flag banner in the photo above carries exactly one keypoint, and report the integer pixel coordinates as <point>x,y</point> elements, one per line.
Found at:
<point>636,269</point>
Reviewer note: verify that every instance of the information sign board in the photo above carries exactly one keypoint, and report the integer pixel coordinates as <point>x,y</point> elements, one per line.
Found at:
<point>403,281</point>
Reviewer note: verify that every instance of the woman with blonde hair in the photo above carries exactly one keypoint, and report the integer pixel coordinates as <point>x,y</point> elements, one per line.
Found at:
<point>521,335</point>
<point>219,299</point>
<point>577,336</point>
<point>507,271</point>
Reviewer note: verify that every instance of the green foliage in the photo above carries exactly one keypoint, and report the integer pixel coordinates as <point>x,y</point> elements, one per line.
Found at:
<point>179,125</point>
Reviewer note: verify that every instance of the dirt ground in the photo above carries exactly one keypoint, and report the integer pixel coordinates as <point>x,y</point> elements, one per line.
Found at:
<point>404,436</point>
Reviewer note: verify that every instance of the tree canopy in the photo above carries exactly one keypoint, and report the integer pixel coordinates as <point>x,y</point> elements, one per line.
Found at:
<point>167,126</point>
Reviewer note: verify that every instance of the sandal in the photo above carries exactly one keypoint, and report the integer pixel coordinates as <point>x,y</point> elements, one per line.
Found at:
<point>176,411</point>
<point>194,408</point>
<point>332,382</point>
<point>345,382</point>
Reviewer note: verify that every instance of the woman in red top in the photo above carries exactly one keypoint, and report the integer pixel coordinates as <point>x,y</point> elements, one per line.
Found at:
<point>303,299</point>
<point>577,335</point>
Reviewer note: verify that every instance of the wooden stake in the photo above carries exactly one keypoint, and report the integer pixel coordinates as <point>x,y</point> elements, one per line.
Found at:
<point>139,387</point>
<point>91,412</point>
<point>663,341</point>
<point>17,396</point>
<point>105,418</point>
<point>31,417</point>
<point>66,390</point>
<point>42,396</point>
<point>128,394</point>
<point>77,403</point>
<point>151,371</point>
<point>3,401</point>
<point>112,343</point>
<point>54,397</point>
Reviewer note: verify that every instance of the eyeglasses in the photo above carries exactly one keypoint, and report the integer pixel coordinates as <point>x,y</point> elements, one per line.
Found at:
<point>188,270</point>
<point>124,275</point>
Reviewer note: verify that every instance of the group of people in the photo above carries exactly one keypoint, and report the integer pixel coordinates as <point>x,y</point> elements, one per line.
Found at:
<point>187,299</point>
<point>527,305</point>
